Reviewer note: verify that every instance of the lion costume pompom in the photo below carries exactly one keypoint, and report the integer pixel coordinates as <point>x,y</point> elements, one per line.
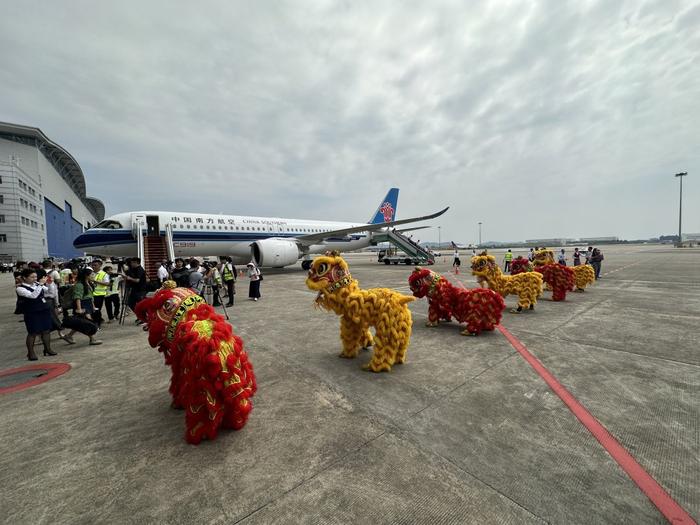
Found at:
<point>212,378</point>
<point>560,278</point>
<point>384,309</point>
<point>480,309</point>
<point>527,286</point>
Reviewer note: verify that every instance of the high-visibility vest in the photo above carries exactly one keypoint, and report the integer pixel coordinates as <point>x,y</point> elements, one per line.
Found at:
<point>228,272</point>
<point>509,256</point>
<point>100,289</point>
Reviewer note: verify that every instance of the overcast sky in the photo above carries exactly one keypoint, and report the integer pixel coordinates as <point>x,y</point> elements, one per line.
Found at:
<point>540,119</point>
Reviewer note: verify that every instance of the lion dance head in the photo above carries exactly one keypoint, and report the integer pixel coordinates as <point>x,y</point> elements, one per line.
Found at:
<point>423,282</point>
<point>543,256</point>
<point>484,265</point>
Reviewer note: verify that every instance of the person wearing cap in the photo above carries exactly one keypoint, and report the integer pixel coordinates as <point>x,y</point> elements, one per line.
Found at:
<point>254,275</point>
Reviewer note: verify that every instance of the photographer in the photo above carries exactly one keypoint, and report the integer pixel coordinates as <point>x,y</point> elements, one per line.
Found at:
<point>83,308</point>
<point>212,278</point>
<point>196,278</point>
<point>135,282</point>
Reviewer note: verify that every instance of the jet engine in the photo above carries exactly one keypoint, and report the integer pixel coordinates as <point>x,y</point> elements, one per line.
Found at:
<point>274,253</point>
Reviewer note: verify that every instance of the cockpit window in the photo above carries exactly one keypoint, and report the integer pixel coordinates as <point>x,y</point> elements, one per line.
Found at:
<point>108,224</point>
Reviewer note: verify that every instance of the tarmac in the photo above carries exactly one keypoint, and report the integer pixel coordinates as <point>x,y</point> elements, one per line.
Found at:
<point>465,432</point>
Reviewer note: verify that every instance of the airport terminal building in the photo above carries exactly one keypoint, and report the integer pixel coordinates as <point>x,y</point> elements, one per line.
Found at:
<point>43,202</point>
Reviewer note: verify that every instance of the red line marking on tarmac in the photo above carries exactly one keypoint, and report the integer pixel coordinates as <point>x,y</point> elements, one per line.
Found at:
<point>671,510</point>
<point>52,370</point>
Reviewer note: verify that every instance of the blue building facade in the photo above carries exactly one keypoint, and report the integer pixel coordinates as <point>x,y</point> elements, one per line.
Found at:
<point>61,230</point>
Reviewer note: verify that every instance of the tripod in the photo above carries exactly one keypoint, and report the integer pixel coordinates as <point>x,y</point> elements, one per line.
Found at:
<point>125,298</point>
<point>212,291</point>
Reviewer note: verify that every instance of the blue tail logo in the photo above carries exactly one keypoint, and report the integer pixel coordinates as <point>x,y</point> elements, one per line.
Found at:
<point>386,211</point>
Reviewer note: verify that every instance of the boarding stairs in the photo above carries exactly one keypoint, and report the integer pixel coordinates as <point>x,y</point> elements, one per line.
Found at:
<point>154,252</point>
<point>408,246</point>
<point>153,248</point>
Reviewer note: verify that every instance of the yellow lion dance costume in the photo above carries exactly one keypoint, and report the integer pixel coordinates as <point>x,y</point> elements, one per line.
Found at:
<point>527,286</point>
<point>384,309</point>
<point>583,273</point>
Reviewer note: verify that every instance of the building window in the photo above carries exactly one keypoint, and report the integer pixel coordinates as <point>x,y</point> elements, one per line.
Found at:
<point>2,218</point>
<point>2,199</point>
<point>3,237</point>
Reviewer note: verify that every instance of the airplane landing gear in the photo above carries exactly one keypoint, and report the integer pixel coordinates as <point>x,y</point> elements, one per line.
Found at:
<point>306,264</point>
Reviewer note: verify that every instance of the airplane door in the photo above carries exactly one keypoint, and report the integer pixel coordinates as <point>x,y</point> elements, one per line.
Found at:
<point>153,225</point>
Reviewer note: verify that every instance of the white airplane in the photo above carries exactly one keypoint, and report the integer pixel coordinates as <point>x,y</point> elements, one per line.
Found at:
<point>270,241</point>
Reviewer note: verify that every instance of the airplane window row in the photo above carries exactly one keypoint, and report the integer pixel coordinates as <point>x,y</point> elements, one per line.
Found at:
<point>233,228</point>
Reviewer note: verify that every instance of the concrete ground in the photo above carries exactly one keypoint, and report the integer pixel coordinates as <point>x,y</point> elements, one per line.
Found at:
<point>465,432</point>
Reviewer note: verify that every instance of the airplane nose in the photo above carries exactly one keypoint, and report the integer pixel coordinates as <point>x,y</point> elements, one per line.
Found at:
<point>81,240</point>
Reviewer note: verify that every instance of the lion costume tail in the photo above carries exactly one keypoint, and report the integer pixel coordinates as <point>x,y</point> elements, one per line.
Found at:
<point>559,277</point>
<point>480,308</point>
<point>584,275</point>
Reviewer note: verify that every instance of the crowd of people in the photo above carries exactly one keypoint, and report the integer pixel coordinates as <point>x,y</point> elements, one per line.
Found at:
<point>592,256</point>
<point>69,298</point>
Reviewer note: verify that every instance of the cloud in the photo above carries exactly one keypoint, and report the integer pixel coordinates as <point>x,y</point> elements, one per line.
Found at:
<point>540,119</point>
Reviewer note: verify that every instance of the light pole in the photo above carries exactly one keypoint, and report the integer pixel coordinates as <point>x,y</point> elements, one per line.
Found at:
<point>439,237</point>
<point>680,203</point>
<point>479,233</point>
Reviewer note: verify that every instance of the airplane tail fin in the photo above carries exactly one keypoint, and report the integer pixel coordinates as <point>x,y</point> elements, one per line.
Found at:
<point>386,211</point>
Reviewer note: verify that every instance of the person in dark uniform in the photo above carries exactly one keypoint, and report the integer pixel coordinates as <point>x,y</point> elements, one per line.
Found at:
<point>36,310</point>
<point>135,281</point>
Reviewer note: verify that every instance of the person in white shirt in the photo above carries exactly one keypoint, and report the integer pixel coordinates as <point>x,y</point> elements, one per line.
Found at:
<point>162,272</point>
<point>562,258</point>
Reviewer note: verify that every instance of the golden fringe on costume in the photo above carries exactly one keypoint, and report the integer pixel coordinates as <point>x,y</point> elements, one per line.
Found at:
<point>584,274</point>
<point>527,286</point>
<point>384,309</point>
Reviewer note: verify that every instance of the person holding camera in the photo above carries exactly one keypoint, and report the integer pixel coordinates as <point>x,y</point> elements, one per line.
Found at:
<point>81,321</point>
<point>212,279</point>
<point>135,282</point>
<point>196,277</point>
<point>36,311</point>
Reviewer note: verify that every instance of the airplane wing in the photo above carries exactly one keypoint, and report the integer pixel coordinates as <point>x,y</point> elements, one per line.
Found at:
<point>315,238</point>
<point>402,230</point>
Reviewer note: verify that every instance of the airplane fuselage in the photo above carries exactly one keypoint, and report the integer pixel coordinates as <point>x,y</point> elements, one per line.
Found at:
<point>201,234</point>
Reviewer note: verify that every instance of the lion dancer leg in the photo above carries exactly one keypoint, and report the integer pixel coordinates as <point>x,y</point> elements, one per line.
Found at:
<point>239,387</point>
<point>366,340</point>
<point>351,334</point>
<point>433,315</point>
<point>204,413</point>
<point>384,346</point>
<point>403,335</point>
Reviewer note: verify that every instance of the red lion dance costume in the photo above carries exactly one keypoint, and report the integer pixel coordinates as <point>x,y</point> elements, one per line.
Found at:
<point>212,378</point>
<point>560,278</point>
<point>479,308</point>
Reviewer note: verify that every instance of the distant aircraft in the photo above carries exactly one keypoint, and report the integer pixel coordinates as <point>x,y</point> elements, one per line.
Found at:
<point>270,241</point>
